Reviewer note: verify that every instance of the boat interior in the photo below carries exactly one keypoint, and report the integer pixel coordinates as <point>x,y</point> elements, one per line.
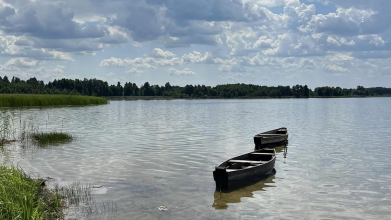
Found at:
<point>279,131</point>
<point>249,160</point>
<point>282,131</point>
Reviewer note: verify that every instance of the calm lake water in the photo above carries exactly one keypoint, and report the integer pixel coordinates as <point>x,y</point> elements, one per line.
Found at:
<point>148,154</point>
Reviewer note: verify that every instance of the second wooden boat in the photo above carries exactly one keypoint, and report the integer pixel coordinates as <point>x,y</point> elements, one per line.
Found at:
<point>242,168</point>
<point>273,137</point>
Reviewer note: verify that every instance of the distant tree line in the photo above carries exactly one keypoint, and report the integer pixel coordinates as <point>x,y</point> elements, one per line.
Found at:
<point>96,87</point>
<point>359,91</point>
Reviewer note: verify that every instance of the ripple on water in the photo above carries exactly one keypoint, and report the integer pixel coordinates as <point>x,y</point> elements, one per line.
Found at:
<point>153,153</point>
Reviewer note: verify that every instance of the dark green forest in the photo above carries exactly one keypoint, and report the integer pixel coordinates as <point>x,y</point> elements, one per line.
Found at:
<point>96,87</point>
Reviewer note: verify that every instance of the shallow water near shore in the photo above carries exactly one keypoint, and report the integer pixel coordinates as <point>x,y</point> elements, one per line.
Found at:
<point>155,153</point>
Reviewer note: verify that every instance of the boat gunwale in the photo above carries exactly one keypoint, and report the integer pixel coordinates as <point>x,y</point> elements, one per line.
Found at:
<point>268,132</point>
<point>255,166</point>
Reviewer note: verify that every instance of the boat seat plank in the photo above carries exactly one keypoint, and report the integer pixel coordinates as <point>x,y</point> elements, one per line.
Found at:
<point>230,170</point>
<point>271,134</point>
<point>262,153</point>
<point>247,161</point>
<point>246,167</point>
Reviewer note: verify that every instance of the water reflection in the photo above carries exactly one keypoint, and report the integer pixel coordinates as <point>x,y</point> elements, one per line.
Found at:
<point>142,150</point>
<point>280,148</point>
<point>222,199</point>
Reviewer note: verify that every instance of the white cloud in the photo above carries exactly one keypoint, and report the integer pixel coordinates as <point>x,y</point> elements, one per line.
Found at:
<point>243,36</point>
<point>232,68</point>
<point>196,57</point>
<point>133,70</point>
<point>21,62</point>
<point>159,53</point>
<point>15,46</point>
<point>264,42</point>
<point>267,3</point>
<point>350,21</point>
<point>297,15</point>
<point>47,20</point>
<point>373,39</point>
<point>115,35</point>
<point>158,58</point>
<point>336,68</point>
<point>184,72</point>
<point>340,57</point>
<point>40,72</point>
<point>58,55</point>
<point>113,61</point>
<point>307,64</point>
<point>338,41</point>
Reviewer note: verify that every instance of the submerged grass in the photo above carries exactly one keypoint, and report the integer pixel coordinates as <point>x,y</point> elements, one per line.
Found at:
<point>22,100</point>
<point>74,194</point>
<point>25,132</point>
<point>44,139</point>
<point>7,129</point>
<point>22,197</point>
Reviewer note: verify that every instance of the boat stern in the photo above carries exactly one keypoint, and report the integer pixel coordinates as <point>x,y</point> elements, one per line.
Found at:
<point>220,176</point>
<point>257,140</point>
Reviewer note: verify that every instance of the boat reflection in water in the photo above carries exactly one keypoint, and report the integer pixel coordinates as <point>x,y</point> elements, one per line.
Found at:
<point>283,148</point>
<point>245,189</point>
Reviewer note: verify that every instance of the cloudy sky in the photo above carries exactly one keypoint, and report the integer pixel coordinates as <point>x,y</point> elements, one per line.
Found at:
<point>266,42</point>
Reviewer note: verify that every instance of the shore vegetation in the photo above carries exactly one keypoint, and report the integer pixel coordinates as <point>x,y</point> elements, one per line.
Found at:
<point>96,87</point>
<point>25,198</point>
<point>19,100</point>
<point>51,138</point>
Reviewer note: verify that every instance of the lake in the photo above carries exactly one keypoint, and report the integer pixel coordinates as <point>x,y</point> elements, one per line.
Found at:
<point>155,153</point>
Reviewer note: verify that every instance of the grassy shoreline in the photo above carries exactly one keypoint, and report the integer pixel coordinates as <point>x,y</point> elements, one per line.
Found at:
<point>22,197</point>
<point>32,100</point>
<point>261,97</point>
<point>188,98</point>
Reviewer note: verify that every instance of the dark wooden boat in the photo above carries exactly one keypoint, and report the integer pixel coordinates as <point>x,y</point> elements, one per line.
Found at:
<point>273,137</point>
<point>244,168</point>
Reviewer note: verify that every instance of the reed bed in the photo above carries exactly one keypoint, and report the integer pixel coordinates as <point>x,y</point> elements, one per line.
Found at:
<point>51,138</point>
<point>22,100</point>
<point>74,194</point>
<point>80,202</point>
<point>28,133</point>
<point>24,198</point>
<point>7,129</point>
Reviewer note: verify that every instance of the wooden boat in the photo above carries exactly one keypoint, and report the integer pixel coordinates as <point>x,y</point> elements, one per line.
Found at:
<point>273,137</point>
<point>243,168</point>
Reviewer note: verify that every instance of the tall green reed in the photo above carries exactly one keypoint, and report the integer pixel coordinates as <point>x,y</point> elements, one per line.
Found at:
<point>23,100</point>
<point>22,197</point>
